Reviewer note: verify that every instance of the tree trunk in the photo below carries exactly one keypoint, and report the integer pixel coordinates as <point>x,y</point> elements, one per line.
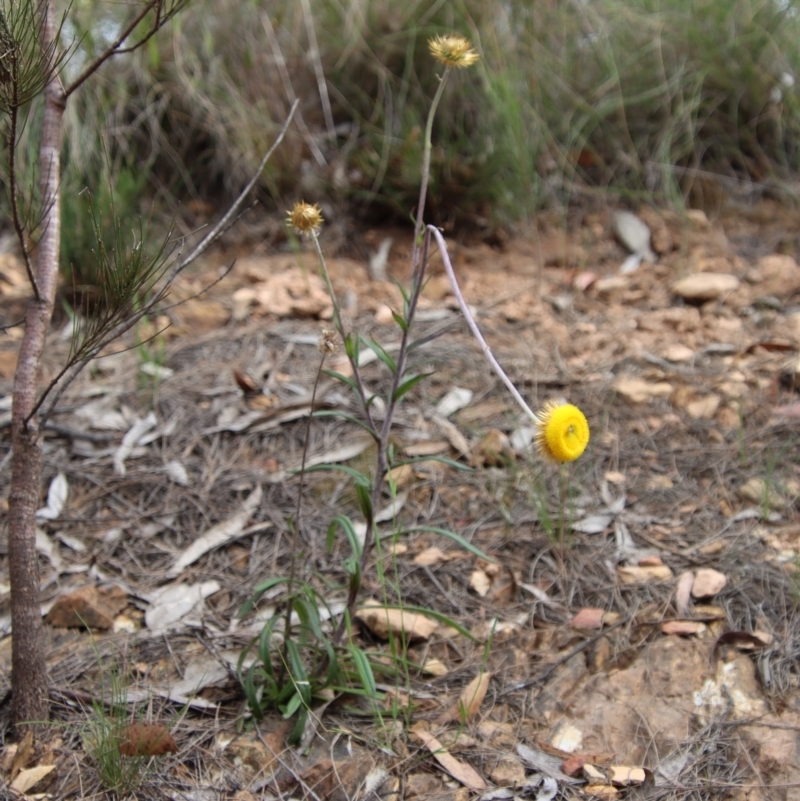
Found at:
<point>28,666</point>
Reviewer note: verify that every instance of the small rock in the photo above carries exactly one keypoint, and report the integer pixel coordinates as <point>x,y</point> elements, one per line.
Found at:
<point>383,315</point>
<point>678,353</point>
<point>708,582</point>
<point>705,286</point>
<point>780,276</point>
<point>637,390</point>
<point>567,737</point>
<point>90,606</point>
<point>509,772</point>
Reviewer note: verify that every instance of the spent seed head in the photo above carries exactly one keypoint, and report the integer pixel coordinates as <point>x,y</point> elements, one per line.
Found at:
<point>327,342</point>
<point>305,218</point>
<point>562,431</point>
<point>453,50</point>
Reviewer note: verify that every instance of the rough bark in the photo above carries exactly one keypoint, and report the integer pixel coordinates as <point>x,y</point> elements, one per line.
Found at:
<point>28,665</point>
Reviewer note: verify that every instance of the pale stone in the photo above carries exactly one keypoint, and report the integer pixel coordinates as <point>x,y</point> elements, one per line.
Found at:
<point>705,286</point>
<point>637,390</point>
<point>704,408</point>
<point>678,353</point>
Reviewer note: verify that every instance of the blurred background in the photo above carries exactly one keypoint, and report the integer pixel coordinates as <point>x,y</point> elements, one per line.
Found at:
<point>676,102</point>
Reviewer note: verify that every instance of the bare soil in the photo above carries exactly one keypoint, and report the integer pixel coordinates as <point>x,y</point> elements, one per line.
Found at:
<point>692,465</point>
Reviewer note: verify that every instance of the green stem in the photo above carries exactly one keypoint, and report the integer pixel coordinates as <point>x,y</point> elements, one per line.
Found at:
<point>296,528</point>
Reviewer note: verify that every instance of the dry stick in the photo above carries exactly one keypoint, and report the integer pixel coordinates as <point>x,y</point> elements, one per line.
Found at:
<point>206,242</point>
<point>473,326</point>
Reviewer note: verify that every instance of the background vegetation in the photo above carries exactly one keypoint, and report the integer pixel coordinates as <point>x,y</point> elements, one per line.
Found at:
<point>629,96</point>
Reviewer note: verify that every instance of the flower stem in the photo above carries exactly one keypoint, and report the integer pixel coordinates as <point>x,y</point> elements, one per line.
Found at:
<point>426,170</point>
<point>473,326</point>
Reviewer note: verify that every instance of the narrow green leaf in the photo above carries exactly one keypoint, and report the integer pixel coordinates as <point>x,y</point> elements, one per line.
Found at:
<point>346,524</point>
<point>364,670</point>
<point>343,378</point>
<point>459,540</point>
<point>260,589</point>
<point>364,498</point>
<point>361,479</point>
<point>381,353</point>
<point>349,417</point>
<point>408,384</point>
<point>401,321</point>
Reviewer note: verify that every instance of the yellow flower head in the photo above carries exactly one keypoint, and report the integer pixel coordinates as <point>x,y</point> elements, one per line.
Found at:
<point>562,431</point>
<point>453,50</point>
<point>305,218</point>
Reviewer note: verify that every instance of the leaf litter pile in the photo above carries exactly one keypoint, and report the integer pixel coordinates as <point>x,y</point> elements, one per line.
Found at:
<point>636,631</point>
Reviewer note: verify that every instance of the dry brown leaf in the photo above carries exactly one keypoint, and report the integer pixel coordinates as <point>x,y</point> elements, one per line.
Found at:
<point>383,621</point>
<point>703,408</point>
<point>636,574</point>
<point>431,448</point>
<point>682,627</point>
<point>588,618</point>
<point>460,771</point>
<point>435,667</point>
<point>601,791</point>
<point>480,582</point>
<point>614,477</point>
<point>683,591</point>
<point>637,390</point>
<point>29,778</point>
<point>430,556</point>
<point>469,702</point>
<point>25,752</point>
<point>146,739</point>
<point>622,775</point>
<point>708,582</point>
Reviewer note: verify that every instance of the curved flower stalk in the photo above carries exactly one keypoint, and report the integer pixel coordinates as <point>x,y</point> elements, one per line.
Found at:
<point>562,431</point>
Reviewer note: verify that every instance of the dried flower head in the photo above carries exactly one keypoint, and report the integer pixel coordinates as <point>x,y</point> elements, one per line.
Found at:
<point>327,342</point>
<point>305,218</point>
<point>562,431</point>
<point>453,50</point>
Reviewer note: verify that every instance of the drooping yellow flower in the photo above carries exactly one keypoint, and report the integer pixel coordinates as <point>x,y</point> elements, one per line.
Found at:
<point>453,50</point>
<point>562,431</point>
<point>305,218</point>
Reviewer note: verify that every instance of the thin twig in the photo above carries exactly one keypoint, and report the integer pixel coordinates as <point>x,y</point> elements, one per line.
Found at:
<point>220,226</point>
<point>114,48</point>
